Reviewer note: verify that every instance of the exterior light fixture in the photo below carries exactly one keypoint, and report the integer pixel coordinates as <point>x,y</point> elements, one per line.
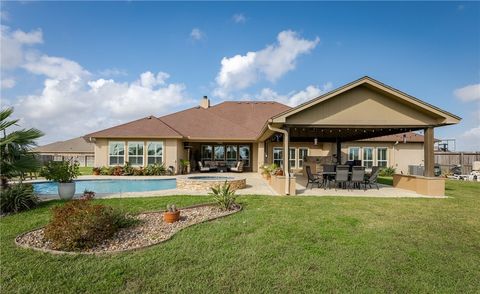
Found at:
<point>404,138</point>
<point>315,141</point>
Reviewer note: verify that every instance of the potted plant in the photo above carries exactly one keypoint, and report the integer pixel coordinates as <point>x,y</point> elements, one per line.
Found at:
<point>62,172</point>
<point>267,170</point>
<point>172,214</point>
<point>185,165</point>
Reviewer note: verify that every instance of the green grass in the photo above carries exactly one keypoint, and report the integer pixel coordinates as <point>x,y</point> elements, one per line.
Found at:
<point>86,170</point>
<point>276,244</point>
<point>385,180</point>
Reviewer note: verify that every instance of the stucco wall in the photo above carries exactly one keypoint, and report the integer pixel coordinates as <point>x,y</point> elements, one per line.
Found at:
<point>407,154</point>
<point>400,156</point>
<point>101,152</point>
<point>361,106</point>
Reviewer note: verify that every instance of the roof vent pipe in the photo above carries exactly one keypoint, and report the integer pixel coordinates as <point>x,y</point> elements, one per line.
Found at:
<point>205,102</point>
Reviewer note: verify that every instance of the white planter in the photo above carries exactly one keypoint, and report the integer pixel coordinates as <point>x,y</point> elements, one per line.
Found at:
<point>66,190</point>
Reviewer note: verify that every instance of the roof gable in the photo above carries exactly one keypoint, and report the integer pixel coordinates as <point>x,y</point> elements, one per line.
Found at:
<point>436,115</point>
<point>147,127</point>
<point>75,145</point>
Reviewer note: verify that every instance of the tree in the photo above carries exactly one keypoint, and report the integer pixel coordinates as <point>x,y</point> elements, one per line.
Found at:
<point>16,157</point>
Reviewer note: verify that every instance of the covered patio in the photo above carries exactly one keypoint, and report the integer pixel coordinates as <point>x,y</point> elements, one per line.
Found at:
<point>360,110</point>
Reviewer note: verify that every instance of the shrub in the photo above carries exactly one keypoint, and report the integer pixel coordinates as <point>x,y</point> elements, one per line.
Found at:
<point>224,197</point>
<point>387,171</point>
<point>118,170</point>
<point>155,169</point>
<point>96,170</point>
<point>60,171</point>
<point>79,224</point>
<point>87,195</point>
<point>128,169</point>
<point>138,171</point>
<point>17,197</point>
<point>104,171</point>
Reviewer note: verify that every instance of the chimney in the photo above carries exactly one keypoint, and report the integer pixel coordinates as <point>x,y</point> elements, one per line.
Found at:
<point>205,102</point>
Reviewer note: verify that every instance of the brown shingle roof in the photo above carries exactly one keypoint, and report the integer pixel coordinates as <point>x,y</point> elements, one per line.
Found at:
<point>76,145</point>
<point>228,120</point>
<point>147,127</point>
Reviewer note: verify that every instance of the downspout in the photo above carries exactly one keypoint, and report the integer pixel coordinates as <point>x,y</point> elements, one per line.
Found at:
<point>285,157</point>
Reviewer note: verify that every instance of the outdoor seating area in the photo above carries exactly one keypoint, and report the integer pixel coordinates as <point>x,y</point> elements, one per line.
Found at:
<point>220,166</point>
<point>347,176</point>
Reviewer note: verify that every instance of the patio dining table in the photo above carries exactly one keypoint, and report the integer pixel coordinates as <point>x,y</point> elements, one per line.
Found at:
<point>326,174</point>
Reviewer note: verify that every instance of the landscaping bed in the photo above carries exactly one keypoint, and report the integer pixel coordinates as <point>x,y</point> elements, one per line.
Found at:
<point>150,230</point>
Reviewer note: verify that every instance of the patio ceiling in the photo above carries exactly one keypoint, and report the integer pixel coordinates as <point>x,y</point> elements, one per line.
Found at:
<point>306,134</point>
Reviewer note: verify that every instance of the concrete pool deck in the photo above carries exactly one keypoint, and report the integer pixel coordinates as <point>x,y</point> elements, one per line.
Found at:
<point>256,185</point>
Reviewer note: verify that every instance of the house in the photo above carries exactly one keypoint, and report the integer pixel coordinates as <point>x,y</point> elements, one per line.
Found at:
<point>364,120</point>
<point>76,149</point>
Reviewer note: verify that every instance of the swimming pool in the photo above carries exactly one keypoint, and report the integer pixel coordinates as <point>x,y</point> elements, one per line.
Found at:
<point>109,186</point>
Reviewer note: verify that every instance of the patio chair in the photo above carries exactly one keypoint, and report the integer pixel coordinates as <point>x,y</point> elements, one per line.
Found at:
<point>358,176</point>
<point>373,178</point>
<point>238,168</point>
<point>341,176</point>
<point>328,178</point>
<point>203,168</point>
<point>311,179</point>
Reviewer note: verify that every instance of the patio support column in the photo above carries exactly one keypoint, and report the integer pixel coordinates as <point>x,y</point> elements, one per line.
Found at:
<point>285,156</point>
<point>339,150</point>
<point>429,157</point>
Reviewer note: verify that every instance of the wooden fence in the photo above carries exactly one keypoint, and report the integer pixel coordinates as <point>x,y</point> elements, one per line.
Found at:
<point>448,159</point>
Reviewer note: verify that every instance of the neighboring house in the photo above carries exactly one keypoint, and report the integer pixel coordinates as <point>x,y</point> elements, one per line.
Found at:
<point>365,120</point>
<point>77,149</point>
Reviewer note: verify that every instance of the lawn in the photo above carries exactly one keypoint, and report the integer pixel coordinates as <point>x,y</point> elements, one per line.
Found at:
<point>276,244</point>
<point>86,170</point>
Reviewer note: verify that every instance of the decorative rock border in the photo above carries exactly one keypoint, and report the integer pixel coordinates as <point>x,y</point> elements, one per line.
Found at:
<point>18,239</point>
<point>203,185</point>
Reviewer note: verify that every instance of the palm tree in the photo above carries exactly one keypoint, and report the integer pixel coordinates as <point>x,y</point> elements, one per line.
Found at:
<point>16,158</point>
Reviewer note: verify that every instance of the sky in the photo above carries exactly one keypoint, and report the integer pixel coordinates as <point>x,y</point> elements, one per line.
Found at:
<point>73,68</point>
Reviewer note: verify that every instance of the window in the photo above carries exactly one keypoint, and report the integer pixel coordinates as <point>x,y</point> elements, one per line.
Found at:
<point>382,160</point>
<point>278,156</point>
<point>116,153</point>
<point>292,158</point>
<point>367,157</point>
<point>57,158</point>
<point>219,152</point>
<point>244,154</point>
<point>232,152</point>
<point>207,152</point>
<point>154,152</point>
<point>135,153</point>
<point>353,153</point>
<point>302,153</point>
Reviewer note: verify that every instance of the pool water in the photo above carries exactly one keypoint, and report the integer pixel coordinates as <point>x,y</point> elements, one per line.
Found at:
<point>109,186</point>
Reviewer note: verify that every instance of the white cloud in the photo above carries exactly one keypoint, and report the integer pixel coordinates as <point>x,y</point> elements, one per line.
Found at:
<point>8,83</point>
<point>239,18</point>
<point>271,63</point>
<point>470,139</point>
<point>76,105</point>
<point>468,93</point>
<point>196,34</point>
<point>14,45</point>
<point>54,67</point>
<point>293,98</point>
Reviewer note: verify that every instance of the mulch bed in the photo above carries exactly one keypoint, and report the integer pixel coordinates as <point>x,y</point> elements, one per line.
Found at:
<point>151,230</point>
